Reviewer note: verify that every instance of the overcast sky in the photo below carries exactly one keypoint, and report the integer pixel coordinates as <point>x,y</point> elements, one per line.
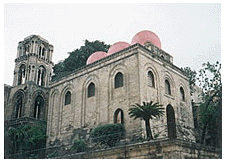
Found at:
<point>189,32</point>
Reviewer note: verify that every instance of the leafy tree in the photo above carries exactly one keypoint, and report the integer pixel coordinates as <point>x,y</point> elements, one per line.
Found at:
<point>109,134</point>
<point>29,137</point>
<point>192,77</point>
<point>78,57</point>
<point>211,109</point>
<point>145,112</point>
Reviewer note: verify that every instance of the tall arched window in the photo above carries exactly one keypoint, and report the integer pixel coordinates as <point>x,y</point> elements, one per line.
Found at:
<point>118,116</point>
<point>91,90</point>
<point>40,51</point>
<point>18,105</point>
<point>38,107</point>
<point>167,87</point>
<point>171,125</point>
<point>67,98</point>
<point>151,82</point>
<point>182,95</point>
<point>21,75</point>
<point>41,76</point>
<point>118,80</point>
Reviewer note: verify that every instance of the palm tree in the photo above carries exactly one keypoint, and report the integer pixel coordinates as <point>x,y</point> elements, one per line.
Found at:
<point>146,112</point>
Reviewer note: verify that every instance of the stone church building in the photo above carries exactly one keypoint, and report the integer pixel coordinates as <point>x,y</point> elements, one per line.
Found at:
<point>100,92</point>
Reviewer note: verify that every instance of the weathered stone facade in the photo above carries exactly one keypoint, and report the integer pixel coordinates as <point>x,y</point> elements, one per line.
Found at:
<point>89,96</point>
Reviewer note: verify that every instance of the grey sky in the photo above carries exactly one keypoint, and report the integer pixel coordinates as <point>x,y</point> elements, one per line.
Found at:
<point>189,32</point>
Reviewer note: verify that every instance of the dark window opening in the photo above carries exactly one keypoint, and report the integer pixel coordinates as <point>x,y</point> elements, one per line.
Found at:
<point>38,107</point>
<point>67,98</point>
<point>118,80</point>
<point>91,90</point>
<point>167,87</point>
<point>151,82</point>
<point>182,95</point>
<point>118,116</point>
<point>171,125</point>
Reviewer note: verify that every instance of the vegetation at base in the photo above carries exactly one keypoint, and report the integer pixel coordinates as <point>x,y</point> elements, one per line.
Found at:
<point>78,58</point>
<point>147,111</point>
<point>79,146</point>
<point>26,137</point>
<point>109,134</point>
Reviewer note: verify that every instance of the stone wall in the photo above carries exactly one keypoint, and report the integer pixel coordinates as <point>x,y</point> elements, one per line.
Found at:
<point>165,149</point>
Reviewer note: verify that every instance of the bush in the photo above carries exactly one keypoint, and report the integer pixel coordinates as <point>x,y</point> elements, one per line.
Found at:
<point>79,146</point>
<point>108,134</point>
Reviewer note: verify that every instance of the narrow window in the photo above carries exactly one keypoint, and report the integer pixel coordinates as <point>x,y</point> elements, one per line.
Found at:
<point>21,75</point>
<point>38,106</point>
<point>167,87</point>
<point>67,98</point>
<point>118,80</point>
<point>182,95</point>
<point>118,116</point>
<point>151,79</point>
<point>41,76</point>
<point>91,90</point>
<point>18,106</point>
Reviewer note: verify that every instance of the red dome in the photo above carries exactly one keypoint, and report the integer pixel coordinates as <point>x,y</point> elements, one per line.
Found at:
<point>118,46</point>
<point>146,36</point>
<point>96,56</point>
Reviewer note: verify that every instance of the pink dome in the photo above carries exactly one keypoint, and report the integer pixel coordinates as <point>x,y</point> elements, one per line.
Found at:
<point>146,36</point>
<point>96,56</point>
<point>118,46</point>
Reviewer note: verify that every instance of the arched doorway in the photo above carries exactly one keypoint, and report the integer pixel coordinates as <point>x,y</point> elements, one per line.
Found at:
<point>118,116</point>
<point>171,125</point>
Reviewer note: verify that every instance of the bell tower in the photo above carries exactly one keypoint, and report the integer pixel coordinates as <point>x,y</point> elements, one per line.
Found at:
<point>33,62</point>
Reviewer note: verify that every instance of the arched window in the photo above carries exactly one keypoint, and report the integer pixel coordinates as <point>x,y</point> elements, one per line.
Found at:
<point>43,52</point>
<point>167,87</point>
<point>118,80</point>
<point>38,107</point>
<point>171,125</point>
<point>118,116</point>
<point>67,98</point>
<point>21,75</point>
<point>18,105</point>
<point>182,95</point>
<point>91,90</point>
<point>151,82</point>
<point>41,76</point>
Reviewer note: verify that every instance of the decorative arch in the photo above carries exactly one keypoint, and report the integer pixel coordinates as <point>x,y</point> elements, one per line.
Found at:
<point>18,104</point>
<point>39,105</point>
<point>169,84</point>
<point>149,79</point>
<point>91,86</point>
<point>119,116</point>
<point>171,124</point>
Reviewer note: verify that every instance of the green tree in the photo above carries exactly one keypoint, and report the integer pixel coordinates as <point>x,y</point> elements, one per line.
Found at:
<point>146,111</point>
<point>28,137</point>
<point>109,134</point>
<point>192,77</point>
<point>211,109</point>
<point>78,57</point>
